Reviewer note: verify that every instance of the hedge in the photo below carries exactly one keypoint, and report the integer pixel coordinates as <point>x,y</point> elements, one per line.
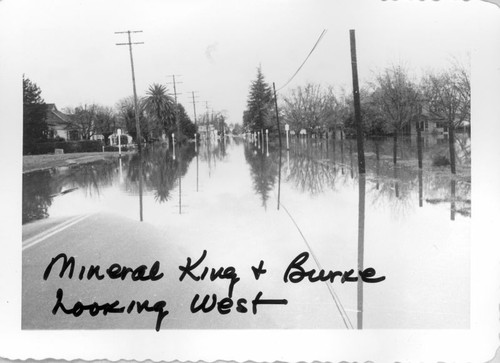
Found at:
<point>67,146</point>
<point>115,148</point>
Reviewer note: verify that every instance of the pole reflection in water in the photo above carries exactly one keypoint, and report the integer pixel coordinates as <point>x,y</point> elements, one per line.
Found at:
<point>267,142</point>
<point>361,244</point>
<point>342,155</point>
<point>453,198</point>
<point>350,156</point>
<point>173,147</point>
<point>420,188</point>
<point>180,197</point>
<point>327,142</point>
<point>121,169</point>
<point>396,182</point>
<point>288,163</point>
<point>279,179</point>
<point>377,165</point>
<point>140,187</point>
<point>197,168</point>
<point>334,154</point>
<point>209,161</point>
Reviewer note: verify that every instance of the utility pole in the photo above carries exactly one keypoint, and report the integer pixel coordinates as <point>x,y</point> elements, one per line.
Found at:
<point>208,121</point>
<point>357,104</point>
<point>194,107</point>
<point>137,125</point>
<point>176,113</point>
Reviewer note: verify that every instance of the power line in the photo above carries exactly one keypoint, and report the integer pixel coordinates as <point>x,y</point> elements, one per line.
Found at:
<point>304,62</point>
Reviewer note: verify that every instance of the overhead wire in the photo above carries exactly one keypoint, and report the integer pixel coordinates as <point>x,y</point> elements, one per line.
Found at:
<point>305,60</point>
<point>337,301</point>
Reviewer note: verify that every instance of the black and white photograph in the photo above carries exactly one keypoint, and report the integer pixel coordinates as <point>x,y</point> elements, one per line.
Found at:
<point>283,171</point>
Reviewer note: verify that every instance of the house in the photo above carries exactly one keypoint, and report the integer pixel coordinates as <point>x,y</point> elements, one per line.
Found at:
<point>430,126</point>
<point>60,124</point>
<point>113,139</point>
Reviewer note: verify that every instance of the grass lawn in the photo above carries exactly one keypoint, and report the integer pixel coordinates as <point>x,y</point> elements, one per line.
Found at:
<point>39,162</point>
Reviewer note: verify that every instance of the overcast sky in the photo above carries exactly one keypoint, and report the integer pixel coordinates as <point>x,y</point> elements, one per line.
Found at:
<point>68,47</point>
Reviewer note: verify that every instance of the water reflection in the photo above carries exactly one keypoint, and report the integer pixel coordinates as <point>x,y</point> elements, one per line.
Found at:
<point>157,170</point>
<point>211,153</point>
<point>41,187</point>
<point>264,171</point>
<point>311,166</point>
<point>153,171</point>
<point>361,245</point>
<point>37,191</point>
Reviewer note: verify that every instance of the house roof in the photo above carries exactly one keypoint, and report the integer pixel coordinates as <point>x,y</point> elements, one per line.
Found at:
<point>57,119</point>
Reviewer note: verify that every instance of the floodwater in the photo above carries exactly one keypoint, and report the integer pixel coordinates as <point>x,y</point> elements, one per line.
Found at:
<point>245,202</point>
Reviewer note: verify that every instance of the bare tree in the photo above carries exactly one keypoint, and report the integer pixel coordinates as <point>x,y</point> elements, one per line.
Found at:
<point>448,97</point>
<point>398,99</point>
<point>106,122</point>
<point>85,117</point>
<point>310,108</point>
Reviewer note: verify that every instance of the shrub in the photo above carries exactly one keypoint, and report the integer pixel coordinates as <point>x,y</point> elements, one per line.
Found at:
<point>440,160</point>
<point>115,148</point>
<point>67,146</point>
<point>124,140</point>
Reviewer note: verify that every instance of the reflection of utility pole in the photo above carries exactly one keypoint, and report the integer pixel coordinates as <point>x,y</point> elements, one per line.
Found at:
<point>361,244</point>
<point>137,125</point>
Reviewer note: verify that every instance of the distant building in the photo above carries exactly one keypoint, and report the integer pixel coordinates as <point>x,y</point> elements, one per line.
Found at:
<point>64,126</point>
<point>61,124</point>
<point>430,126</point>
<point>113,139</point>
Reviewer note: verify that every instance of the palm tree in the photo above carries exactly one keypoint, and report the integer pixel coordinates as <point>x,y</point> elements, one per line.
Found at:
<point>160,107</point>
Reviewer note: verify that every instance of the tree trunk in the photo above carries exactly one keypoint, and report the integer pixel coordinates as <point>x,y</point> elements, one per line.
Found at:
<point>452,204</point>
<point>420,188</point>
<point>395,147</point>
<point>419,145</point>
<point>451,139</point>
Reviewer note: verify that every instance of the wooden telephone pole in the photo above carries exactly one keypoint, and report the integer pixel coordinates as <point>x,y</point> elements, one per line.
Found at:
<point>137,125</point>
<point>194,107</point>
<point>176,113</point>
<point>357,104</point>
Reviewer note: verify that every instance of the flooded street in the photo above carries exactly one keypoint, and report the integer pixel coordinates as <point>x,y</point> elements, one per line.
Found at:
<point>411,226</point>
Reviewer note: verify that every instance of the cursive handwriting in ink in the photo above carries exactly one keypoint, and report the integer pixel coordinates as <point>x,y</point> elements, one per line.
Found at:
<point>111,308</point>
<point>114,271</point>
<point>224,305</point>
<point>295,273</point>
<point>221,273</point>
